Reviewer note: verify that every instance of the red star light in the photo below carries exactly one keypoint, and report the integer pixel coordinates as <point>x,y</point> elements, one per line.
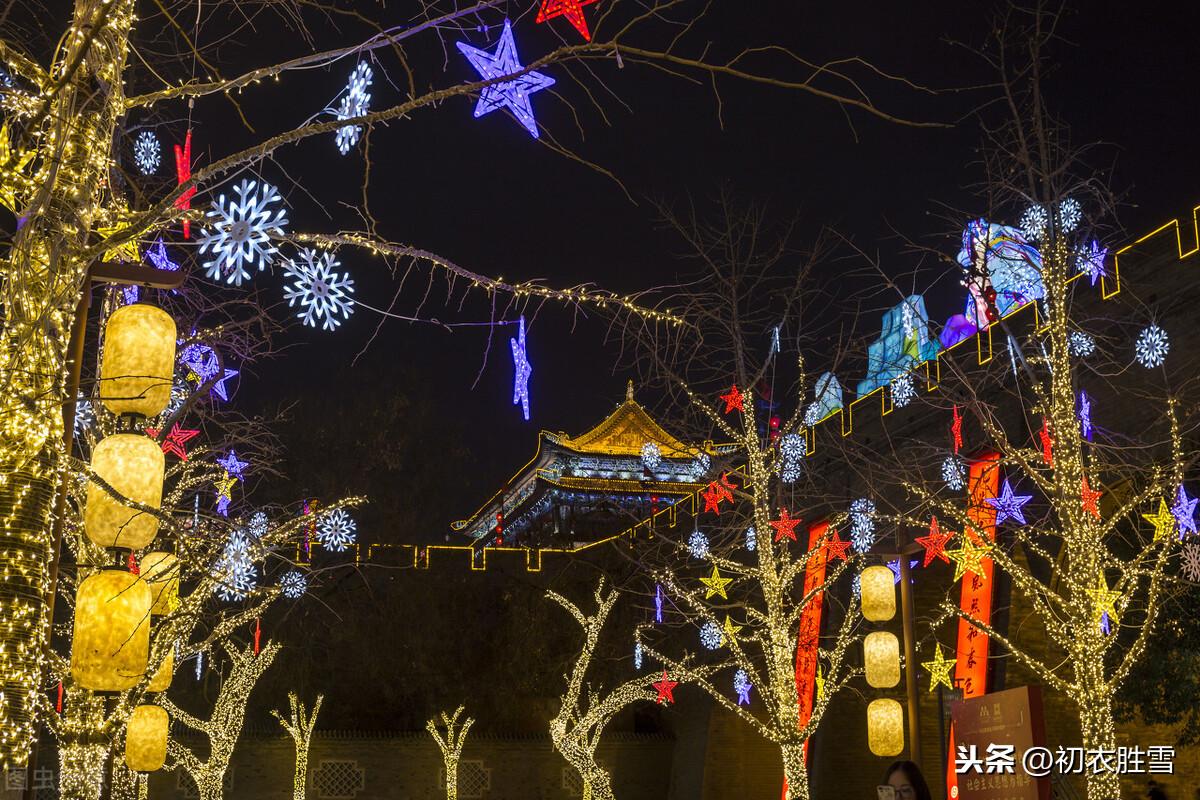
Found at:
<point>836,548</point>
<point>183,169</point>
<point>665,689</point>
<point>956,430</point>
<point>785,525</point>
<point>571,9</point>
<point>1090,498</point>
<point>735,399</point>
<point>1047,443</point>
<point>716,493</point>
<point>175,439</point>
<point>935,543</point>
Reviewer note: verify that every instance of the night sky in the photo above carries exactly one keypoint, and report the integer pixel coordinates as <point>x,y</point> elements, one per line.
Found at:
<point>485,195</point>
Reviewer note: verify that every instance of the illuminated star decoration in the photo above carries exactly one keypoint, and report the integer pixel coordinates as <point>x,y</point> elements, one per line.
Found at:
<point>1162,520</point>
<point>716,584</point>
<point>224,489</point>
<point>1047,443</point>
<point>1105,601</point>
<point>512,94</point>
<point>785,525</point>
<point>174,441</point>
<point>734,399</point>
<point>571,9</point>
<point>731,630</point>
<point>1090,261</point>
<point>742,685</point>
<point>935,543</point>
<point>716,493</point>
<point>894,566</point>
<point>125,251</point>
<point>1184,512</point>
<point>968,558</point>
<point>183,170</point>
<point>665,689</point>
<point>939,669</point>
<point>219,388</point>
<point>1085,415</point>
<point>522,370</point>
<point>157,254</point>
<point>1009,505</point>
<point>956,430</point>
<point>836,548</point>
<point>232,465</point>
<point>1090,497</point>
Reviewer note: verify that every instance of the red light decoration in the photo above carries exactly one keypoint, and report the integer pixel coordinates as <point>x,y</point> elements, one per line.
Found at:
<point>58,704</point>
<point>571,9</point>
<point>810,620</point>
<point>835,547</point>
<point>257,634</point>
<point>785,525</point>
<point>175,440</point>
<point>956,430</point>
<point>935,543</point>
<point>718,492</point>
<point>1047,443</point>
<point>183,169</point>
<point>1090,498</point>
<point>665,689</point>
<point>132,565</point>
<point>734,399</point>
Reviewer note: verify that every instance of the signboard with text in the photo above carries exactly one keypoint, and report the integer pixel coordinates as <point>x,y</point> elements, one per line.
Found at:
<point>992,734</point>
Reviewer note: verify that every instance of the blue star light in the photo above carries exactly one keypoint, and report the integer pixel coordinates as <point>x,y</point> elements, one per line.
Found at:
<point>1184,512</point>
<point>523,370</point>
<point>1008,505</point>
<point>658,603</point>
<point>742,685</point>
<point>894,566</point>
<point>513,94</point>
<point>159,258</point>
<point>232,465</point>
<point>219,388</point>
<point>1085,415</point>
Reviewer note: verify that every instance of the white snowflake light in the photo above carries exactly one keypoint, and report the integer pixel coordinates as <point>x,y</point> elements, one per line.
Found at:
<point>1090,261</point>
<point>856,586</point>
<point>235,571</point>
<point>698,545</point>
<point>903,392</point>
<point>257,526</point>
<point>147,152</point>
<point>742,685</point>
<point>751,539</point>
<point>812,414</point>
<point>791,450</point>
<point>711,635</point>
<point>862,524</point>
<point>1152,347</point>
<point>954,473</point>
<point>322,293</point>
<point>240,230</point>
<point>1191,562</point>
<point>85,415</point>
<point>1070,214</point>
<point>701,465</point>
<point>1034,222</point>
<point>637,655</point>
<point>336,530</point>
<point>651,456</point>
<point>1080,344</point>
<point>293,584</point>
<point>355,103</point>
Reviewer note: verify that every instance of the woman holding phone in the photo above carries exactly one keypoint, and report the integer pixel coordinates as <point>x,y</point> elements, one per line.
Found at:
<point>903,781</point>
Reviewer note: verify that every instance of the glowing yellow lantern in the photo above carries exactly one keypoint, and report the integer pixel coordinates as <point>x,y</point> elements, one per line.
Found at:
<point>161,571</point>
<point>885,727</point>
<point>878,593</point>
<point>132,464</point>
<point>881,651</point>
<point>162,679</point>
<point>137,368</point>
<point>146,739</point>
<point>111,644</point>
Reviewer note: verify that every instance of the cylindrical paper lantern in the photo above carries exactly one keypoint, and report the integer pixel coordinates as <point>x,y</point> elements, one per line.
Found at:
<point>162,679</point>
<point>146,739</point>
<point>111,644</point>
<point>885,727</point>
<point>132,464</point>
<point>161,571</point>
<point>137,368</point>
<point>881,651</point>
<point>878,593</point>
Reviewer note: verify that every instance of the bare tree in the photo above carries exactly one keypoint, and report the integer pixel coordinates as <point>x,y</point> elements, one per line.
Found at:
<point>300,726</point>
<point>451,745</point>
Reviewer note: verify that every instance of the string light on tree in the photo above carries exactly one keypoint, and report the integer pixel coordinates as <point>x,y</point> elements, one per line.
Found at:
<point>522,369</point>
<point>336,530</point>
<point>1152,347</point>
<point>240,232</point>
<point>356,101</point>
<point>513,93</point>
<point>322,292</point>
<point>147,152</point>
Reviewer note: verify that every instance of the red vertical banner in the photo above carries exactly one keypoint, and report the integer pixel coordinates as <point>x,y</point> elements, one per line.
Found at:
<point>970,673</point>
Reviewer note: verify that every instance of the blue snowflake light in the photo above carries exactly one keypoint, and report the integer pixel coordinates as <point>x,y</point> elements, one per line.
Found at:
<point>791,450</point>
<point>954,473</point>
<point>1152,347</point>
<point>522,369</point>
<point>336,530</point>
<point>711,635</point>
<point>1070,214</point>
<point>147,152</point>
<point>637,655</point>
<point>240,231</point>
<point>698,545</point>
<point>812,414</point>
<point>355,103</point>
<point>1080,344</point>
<point>85,415</point>
<point>742,685</point>
<point>701,465</point>
<point>651,456</point>
<point>903,392</point>
<point>293,584</point>
<point>257,525</point>
<point>511,94</point>
<point>1034,222</point>
<point>1090,261</point>
<point>751,539</point>
<point>235,572</point>
<point>862,524</point>
<point>322,293</point>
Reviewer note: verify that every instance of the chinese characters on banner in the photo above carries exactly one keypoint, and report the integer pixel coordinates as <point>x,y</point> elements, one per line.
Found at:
<point>994,732</point>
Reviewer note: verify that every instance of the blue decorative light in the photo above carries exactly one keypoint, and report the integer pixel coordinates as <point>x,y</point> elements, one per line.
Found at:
<point>219,388</point>
<point>792,448</point>
<point>651,456</point>
<point>894,566</point>
<point>751,539</point>
<point>698,545</point>
<point>322,292</point>
<point>774,341</point>
<point>1090,261</point>
<point>232,465</point>
<point>742,685</point>
<point>257,526</point>
<point>1080,344</point>
<point>201,360</point>
<point>293,585</point>
<point>157,253</point>
<point>522,369</point>
<point>239,232</point>
<point>1085,415</point>
<point>637,655</point>
<point>1184,512</point>
<point>1009,505</point>
<point>336,530</point>
<point>1034,222</point>
<point>1070,214</point>
<point>701,465</point>
<point>658,603</point>
<point>147,152</point>
<point>512,94</point>
<point>85,415</point>
<point>954,473</point>
<point>862,524</point>
<point>1152,347</point>
<point>711,635</point>
<point>235,572</point>
<point>355,103</point>
<point>903,392</point>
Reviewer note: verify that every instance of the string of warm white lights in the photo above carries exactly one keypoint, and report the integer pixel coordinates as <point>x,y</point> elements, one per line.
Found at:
<point>451,744</point>
<point>300,725</point>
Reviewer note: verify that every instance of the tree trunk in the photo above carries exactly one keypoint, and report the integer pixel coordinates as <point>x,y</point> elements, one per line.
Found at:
<point>1099,733</point>
<point>795,772</point>
<point>81,770</point>
<point>596,783</point>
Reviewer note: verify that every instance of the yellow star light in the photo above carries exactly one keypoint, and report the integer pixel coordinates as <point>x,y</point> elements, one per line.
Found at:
<point>968,558</point>
<point>731,630</point>
<point>1104,599</point>
<point>939,669</point>
<point>125,251</point>
<point>1162,520</point>
<point>225,486</point>
<point>716,584</point>
<point>820,682</point>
